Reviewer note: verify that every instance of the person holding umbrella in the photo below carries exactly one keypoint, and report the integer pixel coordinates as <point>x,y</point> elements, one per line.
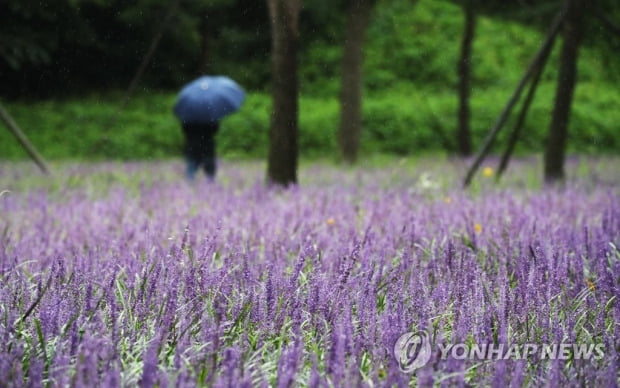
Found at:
<point>200,106</point>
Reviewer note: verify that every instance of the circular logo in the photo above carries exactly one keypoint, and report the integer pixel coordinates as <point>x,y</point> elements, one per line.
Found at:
<point>412,351</point>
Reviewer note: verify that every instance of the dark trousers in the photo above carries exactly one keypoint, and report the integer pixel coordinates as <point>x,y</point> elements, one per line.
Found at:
<point>200,148</point>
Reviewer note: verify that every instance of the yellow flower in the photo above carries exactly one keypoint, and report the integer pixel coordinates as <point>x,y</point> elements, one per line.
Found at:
<point>330,221</point>
<point>590,284</point>
<point>478,228</point>
<point>447,199</point>
<point>487,172</point>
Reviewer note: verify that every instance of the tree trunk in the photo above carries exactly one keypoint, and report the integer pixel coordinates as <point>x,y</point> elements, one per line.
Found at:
<point>567,78</point>
<point>464,72</point>
<point>282,159</point>
<point>350,129</point>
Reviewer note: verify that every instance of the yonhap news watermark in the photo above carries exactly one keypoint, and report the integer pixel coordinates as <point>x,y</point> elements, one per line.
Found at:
<point>413,350</point>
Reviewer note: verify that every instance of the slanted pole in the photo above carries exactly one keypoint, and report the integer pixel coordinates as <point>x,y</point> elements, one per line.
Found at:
<point>538,59</point>
<point>170,12</point>
<point>23,140</point>
<point>516,131</point>
<point>613,28</point>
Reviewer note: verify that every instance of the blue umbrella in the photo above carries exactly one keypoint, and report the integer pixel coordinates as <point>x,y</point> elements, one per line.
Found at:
<point>208,99</point>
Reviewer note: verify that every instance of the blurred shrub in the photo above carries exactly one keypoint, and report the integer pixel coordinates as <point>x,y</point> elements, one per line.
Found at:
<point>400,123</point>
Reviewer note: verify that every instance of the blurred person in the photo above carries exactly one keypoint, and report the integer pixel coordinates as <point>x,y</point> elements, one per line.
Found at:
<point>199,148</point>
<point>200,106</point>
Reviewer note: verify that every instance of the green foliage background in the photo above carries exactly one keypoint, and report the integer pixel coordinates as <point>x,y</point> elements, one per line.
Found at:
<point>410,87</point>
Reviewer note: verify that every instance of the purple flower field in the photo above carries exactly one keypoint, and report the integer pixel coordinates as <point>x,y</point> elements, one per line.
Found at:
<point>117,274</point>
